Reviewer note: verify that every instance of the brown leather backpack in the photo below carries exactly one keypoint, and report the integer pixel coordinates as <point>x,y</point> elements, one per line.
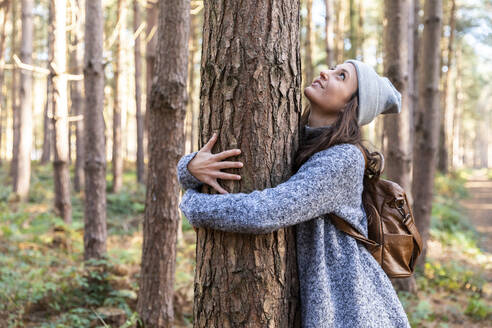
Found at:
<point>393,238</point>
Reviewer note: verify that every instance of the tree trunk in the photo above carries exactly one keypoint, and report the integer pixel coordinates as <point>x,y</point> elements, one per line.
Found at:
<point>457,119</point>
<point>150,53</point>
<point>15,109</point>
<point>352,53</point>
<point>119,86</point>
<point>47,123</point>
<point>168,101</point>
<point>330,54</point>
<point>398,67</point>
<point>443,128</point>
<point>193,51</point>
<point>253,103</point>
<point>361,31</point>
<point>48,108</point>
<point>340,33</point>
<point>94,141</point>
<point>308,45</point>
<point>3,24</point>
<point>427,123</point>
<point>58,67</point>
<point>415,69</point>
<point>23,164</point>
<point>397,127</point>
<point>138,93</point>
<point>77,93</point>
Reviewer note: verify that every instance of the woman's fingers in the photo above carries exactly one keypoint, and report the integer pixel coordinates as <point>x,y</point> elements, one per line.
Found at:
<point>228,165</point>
<point>210,144</point>
<point>228,176</point>
<point>217,187</point>
<point>227,153</point>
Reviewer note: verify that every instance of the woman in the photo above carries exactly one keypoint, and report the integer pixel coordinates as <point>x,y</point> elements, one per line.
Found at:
<point>341,284</point>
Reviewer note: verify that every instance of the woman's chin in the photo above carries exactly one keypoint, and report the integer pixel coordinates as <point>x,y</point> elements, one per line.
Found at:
<point>308,91</point>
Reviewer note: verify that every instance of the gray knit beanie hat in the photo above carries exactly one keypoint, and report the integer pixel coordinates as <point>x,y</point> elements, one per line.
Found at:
<point>377,95</point>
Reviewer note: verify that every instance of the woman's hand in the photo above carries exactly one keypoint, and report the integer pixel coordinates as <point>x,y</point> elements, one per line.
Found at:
<point>206,166</point>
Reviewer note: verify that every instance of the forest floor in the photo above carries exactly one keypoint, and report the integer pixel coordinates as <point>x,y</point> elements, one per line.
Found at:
<point>43,282</point>
<point>460,267</point>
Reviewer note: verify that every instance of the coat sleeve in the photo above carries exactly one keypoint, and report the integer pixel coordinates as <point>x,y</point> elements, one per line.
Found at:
<point>185,178</point>
<point>320,186</point>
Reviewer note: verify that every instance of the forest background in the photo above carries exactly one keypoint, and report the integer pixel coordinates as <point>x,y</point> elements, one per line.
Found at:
<point>48,278</point>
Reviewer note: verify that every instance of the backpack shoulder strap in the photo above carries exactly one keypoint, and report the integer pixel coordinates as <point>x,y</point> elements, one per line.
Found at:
<point>363,154</point>
<point>344,226</point>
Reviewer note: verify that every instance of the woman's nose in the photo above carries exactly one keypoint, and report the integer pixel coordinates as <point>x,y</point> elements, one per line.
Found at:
<point>323,75</point>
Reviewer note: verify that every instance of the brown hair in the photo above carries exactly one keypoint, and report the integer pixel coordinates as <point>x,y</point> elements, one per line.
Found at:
<point>344,130</point>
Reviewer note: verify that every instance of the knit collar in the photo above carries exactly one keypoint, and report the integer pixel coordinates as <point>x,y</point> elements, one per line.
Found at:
<point>311,132</point>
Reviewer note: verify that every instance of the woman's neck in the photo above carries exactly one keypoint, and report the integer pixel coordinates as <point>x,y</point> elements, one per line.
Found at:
<point>316,120</point>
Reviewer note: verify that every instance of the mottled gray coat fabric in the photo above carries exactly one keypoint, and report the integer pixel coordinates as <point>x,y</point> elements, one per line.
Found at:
<point>341,284</point>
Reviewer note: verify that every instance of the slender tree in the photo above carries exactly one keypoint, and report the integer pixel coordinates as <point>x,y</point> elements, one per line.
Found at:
<point>309,45</point>
<point>354,44</point>
<point>119,85</point>
<point>150,53</point>
<point>94,141</point>
<point>77,92</point>
<point>168,100</point>
<point>23,161</point>
<point>194,48</point>
<point>427,123</point>
<point>443,129</point>
<point>5,7</point>
<point>58,67</point>
<point>329,13</point>
<point>397,127</point>
<point>398,67</point>
<point>138,91</point>
<point>48,106</point>
<point>251,280</point>
<point>14,93</point>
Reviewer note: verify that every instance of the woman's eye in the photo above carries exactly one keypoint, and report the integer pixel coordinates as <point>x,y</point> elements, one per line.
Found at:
<point>343,74</point>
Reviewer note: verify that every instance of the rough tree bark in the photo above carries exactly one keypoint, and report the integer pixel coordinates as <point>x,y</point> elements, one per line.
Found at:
<point>23,162</point>
<point>168,100</point>
<point>250,75</point>
<point>94,141</point>
<point>427,123</point>
<point>58,67</point>
<point>77,92</point>
<point>397,127</point>
<point>138,93</point>
<point>398,45</point>
<point>119,86</point>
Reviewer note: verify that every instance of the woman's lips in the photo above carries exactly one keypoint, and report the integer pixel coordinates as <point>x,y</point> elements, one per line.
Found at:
<point>316,82</point>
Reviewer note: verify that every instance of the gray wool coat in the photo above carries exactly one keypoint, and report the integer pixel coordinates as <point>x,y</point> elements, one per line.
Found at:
<point>341,284</point>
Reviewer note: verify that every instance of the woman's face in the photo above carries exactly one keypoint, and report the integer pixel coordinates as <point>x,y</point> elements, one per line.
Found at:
<point>329,92</point>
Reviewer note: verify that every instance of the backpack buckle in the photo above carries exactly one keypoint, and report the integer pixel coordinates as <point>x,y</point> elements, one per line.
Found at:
<point>399,205</point>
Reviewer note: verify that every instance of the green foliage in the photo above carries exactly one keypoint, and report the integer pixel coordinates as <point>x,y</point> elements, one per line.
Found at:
<point>478,309</point>
<point>449,224</point>
<point>421,310</point>
<point>451,276</point>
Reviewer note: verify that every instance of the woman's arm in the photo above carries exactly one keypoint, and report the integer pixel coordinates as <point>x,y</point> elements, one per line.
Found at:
<point>185,178</point>
<point>327,181</point>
